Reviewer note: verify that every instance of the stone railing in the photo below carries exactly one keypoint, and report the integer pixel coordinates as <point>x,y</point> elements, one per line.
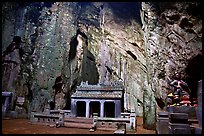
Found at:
<point>44,119</point>
<point>111,123</point>
<point>105,123</point>
<point>125,115</point>
<point>50,117</point>
<point>67,113</point>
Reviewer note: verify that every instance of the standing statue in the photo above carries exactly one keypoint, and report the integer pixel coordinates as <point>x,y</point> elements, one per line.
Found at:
<point>181,94</point>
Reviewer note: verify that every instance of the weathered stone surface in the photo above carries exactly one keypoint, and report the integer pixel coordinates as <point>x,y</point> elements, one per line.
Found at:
<point>190,110</point>
<point>162,126</point>
<point>176,128</point>
<point>163,114</point>
<point>169,33</point>
<point>178,118</point>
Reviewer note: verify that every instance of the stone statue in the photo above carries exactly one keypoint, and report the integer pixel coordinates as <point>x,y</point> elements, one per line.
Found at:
<point>181,94</point>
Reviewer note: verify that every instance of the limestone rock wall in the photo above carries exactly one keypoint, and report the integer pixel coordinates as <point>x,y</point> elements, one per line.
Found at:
<point>46,30</point>
<point>141,44</point>
<point>118,47</point>
<point>172,33</point>
<point>111,48</point>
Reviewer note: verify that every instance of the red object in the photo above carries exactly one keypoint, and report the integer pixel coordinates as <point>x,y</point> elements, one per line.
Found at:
<point>185,102</point>
<point>195,105</point>
<point>195,100</point>
<point>185,97</point>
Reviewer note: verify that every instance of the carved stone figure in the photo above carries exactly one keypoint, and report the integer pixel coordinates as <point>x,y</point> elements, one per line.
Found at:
<point>181,91</point>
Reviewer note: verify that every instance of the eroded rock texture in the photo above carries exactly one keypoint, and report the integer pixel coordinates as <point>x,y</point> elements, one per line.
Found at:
<point>141,44</point>
<point>172,33</point>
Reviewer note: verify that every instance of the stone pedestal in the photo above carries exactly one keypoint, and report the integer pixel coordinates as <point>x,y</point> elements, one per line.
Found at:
<point>178,123</point>
<point>32,117</point>
<point>95,117</point>
<point>176,128</point>
<point>162,123</point>
<point>61,118</point>
<point>133,120</point>
<point>178,118</point>
<point>190,110</point>
<point>47,110</point>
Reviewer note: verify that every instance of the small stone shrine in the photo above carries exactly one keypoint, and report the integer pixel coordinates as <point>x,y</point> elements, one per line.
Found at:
<point>6,103</point>
<point>106,100</point>
<point>7,107</point>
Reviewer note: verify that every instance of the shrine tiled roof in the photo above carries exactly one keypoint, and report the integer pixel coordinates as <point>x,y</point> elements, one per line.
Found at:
<point>99,89</point>
<point>97,95</point>
<point>84,86</point>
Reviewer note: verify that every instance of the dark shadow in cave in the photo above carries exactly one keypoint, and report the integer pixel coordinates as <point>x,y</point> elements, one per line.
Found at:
<point>68,102</point>
<point>73,48</point>
<point>126,11</point>
<point>194,74</point>
<point>89,69</point>
<point>74,43</point>
<point>195,9</point>
<point>84,3</point>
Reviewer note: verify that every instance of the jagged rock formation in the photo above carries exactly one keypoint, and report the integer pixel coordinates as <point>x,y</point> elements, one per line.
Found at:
<point>102,42</point>
<point>173,34</point>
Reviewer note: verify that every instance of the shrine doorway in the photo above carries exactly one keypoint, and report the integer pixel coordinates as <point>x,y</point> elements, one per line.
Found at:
<point>94,108</point>
<point>81,109</point>
<point>194,74</point>
<point>109,109</point>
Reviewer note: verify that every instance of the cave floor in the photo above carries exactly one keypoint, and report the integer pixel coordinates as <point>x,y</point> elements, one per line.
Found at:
<point>24,126</point>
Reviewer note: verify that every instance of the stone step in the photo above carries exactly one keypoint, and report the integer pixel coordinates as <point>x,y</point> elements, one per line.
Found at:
<point>178,118</point>
<point>192,121</point>
<point>106,129</point>
<point>177,128</point>
<point>163,114</point>
<point>77,125</point>
<point>162,125</point>
<point>79,120</point>
<point>190,110</point>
